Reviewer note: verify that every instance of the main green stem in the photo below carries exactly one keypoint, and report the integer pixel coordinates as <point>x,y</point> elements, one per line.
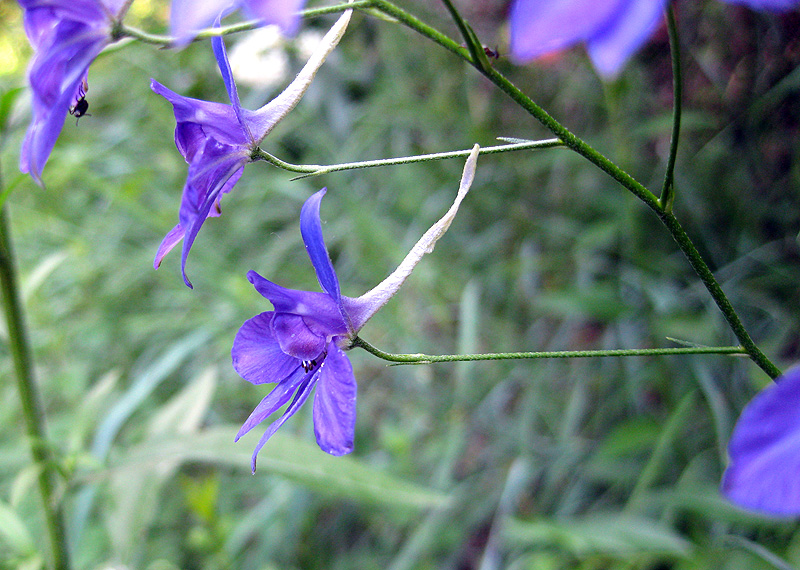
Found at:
<point>626,180</point>
<point>29,395</point>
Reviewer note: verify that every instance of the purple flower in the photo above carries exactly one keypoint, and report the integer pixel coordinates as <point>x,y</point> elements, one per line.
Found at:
<point>66,35</point>
<point>187,17</point>
<point>611,29</point>
<point>217,140</point>
<point>301,343</point>
<point>764,470</point>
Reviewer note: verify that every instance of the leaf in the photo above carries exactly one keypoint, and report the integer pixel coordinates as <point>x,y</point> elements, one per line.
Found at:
<point>14,533</point>
<point>137,492</point>
<point>291,457</point>
<point>610,534</point>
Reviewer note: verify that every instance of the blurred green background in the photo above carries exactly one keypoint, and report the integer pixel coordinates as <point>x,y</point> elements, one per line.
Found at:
<point>546,465</point>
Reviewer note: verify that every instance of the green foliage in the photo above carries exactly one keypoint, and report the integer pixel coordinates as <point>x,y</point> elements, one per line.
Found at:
<point>584,464</point>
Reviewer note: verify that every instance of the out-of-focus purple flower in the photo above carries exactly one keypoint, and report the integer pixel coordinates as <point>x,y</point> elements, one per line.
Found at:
<point>764,470</point>
<point>301,343</point>
<point>66,35</point>
<point>217,140</point>
<point>611,29</point>
<point>187,17</point>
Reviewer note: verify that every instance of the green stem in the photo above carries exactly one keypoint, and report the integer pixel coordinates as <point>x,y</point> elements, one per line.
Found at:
<point>470,38</point>
<point>668,191</point>
<point>31,407</point>
<point>626,180</point>
<point>315,169</point>
<point>430,358</point>
<point>707,277</point>
<point>122,31</point>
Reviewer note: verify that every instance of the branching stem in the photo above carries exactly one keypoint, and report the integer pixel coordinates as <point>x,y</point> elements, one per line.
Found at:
<point>315,169</point>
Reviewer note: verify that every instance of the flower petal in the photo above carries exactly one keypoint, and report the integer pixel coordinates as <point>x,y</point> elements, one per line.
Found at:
<point>611,47</point>
<point>265,119</point>
<point>218,44</point>
<point>198,120</point>
<point>57,70</point>
<point>361,309</point>
<point>303,391</point>
<point>318,309</point>
<point>273,401</point>
<point>311,230</point>
<point>210,176</point>
<point>765,451</point>
<point>295,338</point>
<point>173,238</point>
<point>335,403</point>
<point>539,27</point>
<point>187,17</point>
<point>47,13</point>
<point>257,356</point>
<point>284,13</point>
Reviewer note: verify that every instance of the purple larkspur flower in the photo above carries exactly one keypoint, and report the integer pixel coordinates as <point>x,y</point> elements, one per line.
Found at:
<point>66,36</point>
<point>764,470</point>
<point>300,344</point>
<point>187,17</point>
<point>217,140</point>
<point>611,29</point>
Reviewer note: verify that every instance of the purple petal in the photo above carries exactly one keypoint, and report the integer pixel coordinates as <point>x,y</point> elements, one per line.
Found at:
<point>295,337</point>
<point>612,29</point>
<point>539,27</point>
<point>47,13</point>
<point>335,404</point>
<point>187,17</point>
<point>309,380</point>
<point>765,451</point>
<point>257,356</point>
<point>773,5</point>
<point>311,230</point>
<point>170,240</point>
<point>56,72</point>
<point>198,120</point>
<point>221,54</point>
<point>284,13</point>
<point>273,401</point>
<point>318,309</point>
<point>611,47</point>
<point>210,176</point>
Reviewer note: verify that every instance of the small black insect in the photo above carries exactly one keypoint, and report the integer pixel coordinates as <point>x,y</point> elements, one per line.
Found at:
<point>493,53</point>
<point>81,105</point>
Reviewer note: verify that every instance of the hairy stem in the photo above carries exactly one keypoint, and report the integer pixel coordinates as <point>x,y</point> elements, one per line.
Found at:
<point>316,169</point>
<point>430,358</point>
